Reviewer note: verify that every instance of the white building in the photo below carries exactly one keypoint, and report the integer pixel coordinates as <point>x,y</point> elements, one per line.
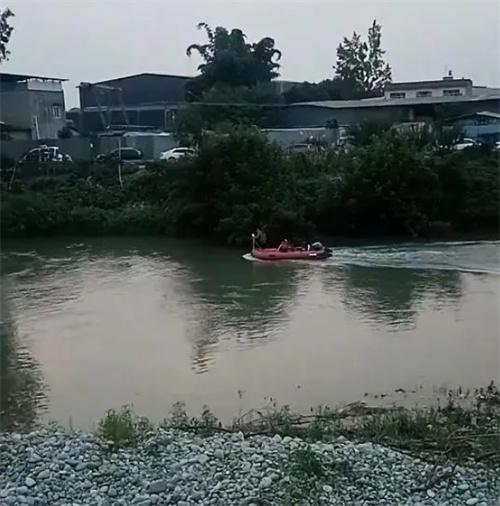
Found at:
<point>448,86</point>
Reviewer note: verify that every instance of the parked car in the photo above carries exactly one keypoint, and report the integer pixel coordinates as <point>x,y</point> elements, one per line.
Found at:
<point>177,153</point>
<point>44,154</point>
<point>127,155</point>
<point>465,143</point>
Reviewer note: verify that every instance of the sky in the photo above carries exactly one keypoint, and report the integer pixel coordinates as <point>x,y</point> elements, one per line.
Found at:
<point>92,40</point>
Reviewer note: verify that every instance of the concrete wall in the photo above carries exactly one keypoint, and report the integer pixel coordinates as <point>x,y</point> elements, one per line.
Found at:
<point>287,137</point>
<point>44,105</point>
<point>150,145</point>
<point>20,105</point>
<point>15,108</point>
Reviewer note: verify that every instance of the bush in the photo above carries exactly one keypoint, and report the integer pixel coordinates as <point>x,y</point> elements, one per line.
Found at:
<point>387,183</point>
<point>123,428</point>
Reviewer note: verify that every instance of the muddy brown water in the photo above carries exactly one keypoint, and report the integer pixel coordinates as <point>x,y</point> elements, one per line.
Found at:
<point>93,324</point>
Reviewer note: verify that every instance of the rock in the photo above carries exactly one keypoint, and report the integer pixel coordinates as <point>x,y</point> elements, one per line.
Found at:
<point>463,486</point>
<point>29,482</point>
<point>203,458</point>
<point>472,501</point>
<point>219,454</point>
<point>157,487</point>
<point>327,489</point>
<point>266,482</point>
<point>276,439</point>
<point>430,493</point>
<point>112,492</point>
<point>139,499</point>
<point>43,475</point>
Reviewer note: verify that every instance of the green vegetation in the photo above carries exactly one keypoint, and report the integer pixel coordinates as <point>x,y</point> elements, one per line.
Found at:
<point>468,427</point>
<point>387,183</point>
<point>229,60</point>
<point>123,428</point>
<point>5,33</point>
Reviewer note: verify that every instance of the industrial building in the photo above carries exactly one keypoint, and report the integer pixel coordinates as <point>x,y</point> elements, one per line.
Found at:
<point>137,102</point>
<point>422,102</point>
<point>31,107</point>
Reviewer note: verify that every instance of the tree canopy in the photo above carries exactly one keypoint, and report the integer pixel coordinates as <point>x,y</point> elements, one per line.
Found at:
<point>229,59</point>
<point>360,72</point>
<point>5,33</point>
<point>362,63</point>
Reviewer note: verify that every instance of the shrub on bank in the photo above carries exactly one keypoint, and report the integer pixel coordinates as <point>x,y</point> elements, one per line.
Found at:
<point>391,183</point>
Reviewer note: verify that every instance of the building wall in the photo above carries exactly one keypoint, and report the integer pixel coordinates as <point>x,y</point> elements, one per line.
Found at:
<point>429,92</point>
<point>141,89</point>
<point>19,107</point>
<point>15,108</point>
<point>285,137</point>
<point>49,109</point>
<point>316,116</point>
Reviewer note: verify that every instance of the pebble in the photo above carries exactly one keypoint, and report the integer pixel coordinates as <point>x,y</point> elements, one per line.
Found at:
<point>203,458</point>
<point>266,482</point>
<point>158,486</point>
<point>29,482</point>
<point>472,501</point>
<point>172,467</point>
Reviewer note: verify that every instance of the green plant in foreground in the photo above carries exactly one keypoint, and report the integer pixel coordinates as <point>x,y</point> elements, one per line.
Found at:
<point>123,428</point>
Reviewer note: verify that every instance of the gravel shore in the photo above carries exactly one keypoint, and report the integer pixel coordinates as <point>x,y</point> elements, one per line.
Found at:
<point>55,468</point>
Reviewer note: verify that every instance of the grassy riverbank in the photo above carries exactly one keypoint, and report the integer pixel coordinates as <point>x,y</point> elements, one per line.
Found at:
<point>352,455</point>
<point>387,184</point>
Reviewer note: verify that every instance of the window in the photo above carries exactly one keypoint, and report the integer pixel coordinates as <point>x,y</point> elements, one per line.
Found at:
<point>421,94</point>
<point>397,95</point>
<point>452,93</point>
<point>57,111</point>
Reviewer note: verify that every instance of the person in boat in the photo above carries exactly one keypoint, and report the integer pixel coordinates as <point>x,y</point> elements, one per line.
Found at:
<point>260,238</point>
<point>284,246</point>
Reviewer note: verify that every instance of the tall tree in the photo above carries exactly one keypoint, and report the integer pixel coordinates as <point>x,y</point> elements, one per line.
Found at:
<point>5,33</point>
<point>228,59</point>
<point>363,63</point>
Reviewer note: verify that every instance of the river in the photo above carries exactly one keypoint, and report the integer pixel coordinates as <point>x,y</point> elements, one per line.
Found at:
<point>92,324</point>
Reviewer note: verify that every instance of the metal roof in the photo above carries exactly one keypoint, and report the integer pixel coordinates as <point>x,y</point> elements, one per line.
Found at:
<point>393,102</point>
<point>441,83</point>
<point>23,77</point>
<point>487,114</point>
<point>142,74</point>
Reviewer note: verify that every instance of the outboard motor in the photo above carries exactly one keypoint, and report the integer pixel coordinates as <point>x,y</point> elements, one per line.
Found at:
<point>317,246</point>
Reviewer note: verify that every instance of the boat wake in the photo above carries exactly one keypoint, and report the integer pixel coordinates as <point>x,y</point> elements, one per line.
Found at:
<point>480,257</point>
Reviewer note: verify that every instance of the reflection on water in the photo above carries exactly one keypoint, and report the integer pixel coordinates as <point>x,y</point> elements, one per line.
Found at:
<point>393,297</point>
<point>98,323</point>
<point>22,393</point>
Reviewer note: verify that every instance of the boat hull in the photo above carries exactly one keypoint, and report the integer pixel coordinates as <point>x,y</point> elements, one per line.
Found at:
<point>273,254</point>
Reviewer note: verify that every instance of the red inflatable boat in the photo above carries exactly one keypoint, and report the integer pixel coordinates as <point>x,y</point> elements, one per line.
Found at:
<point>316,252</point>
<point>297,254</point>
